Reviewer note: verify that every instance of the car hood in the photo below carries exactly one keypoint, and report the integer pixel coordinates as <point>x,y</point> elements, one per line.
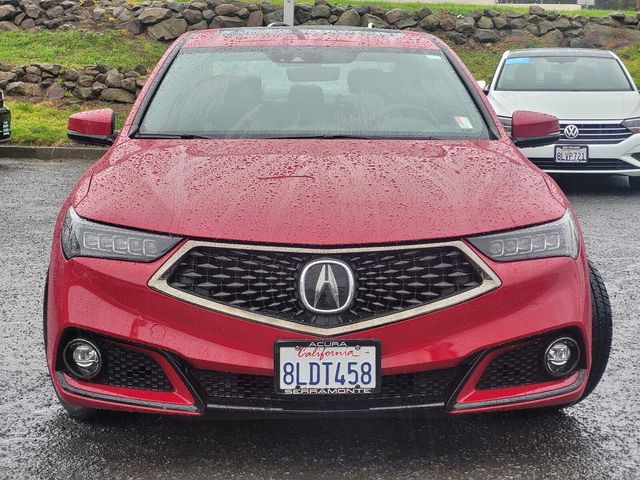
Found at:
<point>318,192</point>
<point>569,105</point>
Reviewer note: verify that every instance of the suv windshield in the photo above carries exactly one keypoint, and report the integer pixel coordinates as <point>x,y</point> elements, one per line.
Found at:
<point>294,92</point>
<point>563,74</point>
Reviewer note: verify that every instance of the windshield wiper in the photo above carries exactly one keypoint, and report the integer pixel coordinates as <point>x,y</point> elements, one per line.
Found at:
<point>325,136</point>
<point>317,135</point>
<point>169,136</point>
<point>345,136</point>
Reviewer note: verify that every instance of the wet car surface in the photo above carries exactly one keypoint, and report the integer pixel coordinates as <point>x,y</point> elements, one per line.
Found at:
<point>597,438</point>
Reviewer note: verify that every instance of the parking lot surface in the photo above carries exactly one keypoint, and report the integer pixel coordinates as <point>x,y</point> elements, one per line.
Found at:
<point>599,438</point>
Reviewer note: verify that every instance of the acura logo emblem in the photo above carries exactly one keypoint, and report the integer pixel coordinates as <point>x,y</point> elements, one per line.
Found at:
<point>571,131</point>
<point>326,286</point>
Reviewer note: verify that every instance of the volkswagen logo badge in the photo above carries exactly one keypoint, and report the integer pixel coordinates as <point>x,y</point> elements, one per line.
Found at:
<point>571,131</point>
<point>327,286</point>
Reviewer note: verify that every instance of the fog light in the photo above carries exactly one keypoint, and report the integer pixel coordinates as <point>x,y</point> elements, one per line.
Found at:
<point>562,356</point>
<point>82,358</point>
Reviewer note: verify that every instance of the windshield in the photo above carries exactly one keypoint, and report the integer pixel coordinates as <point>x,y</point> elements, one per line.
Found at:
<point>563,74</point>
<point>290,92</point>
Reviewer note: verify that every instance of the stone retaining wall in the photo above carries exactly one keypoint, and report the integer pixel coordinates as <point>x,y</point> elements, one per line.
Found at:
<point>53,82</point>
<point>165,20</point>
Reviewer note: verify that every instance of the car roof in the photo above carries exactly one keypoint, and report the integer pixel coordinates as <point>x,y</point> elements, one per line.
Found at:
<point>328,36</point>
<point>560,52</point>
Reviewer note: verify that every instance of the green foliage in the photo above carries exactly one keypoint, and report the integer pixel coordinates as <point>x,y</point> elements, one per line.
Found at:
<point>481,61</point>
<point>631,57</point>
<point>38,123</point>
<point>45,123</point>
<point>456,8</point>
<point>78,48</point>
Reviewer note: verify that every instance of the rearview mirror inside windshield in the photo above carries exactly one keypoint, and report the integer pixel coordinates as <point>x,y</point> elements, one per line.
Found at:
<point>313,73</point>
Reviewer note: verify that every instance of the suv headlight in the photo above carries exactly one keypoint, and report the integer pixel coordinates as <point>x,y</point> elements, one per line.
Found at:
<point>632,124</point>
<point>83,238</point>
<point>554,239</point>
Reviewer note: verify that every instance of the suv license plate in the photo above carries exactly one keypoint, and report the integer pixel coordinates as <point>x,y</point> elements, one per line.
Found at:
<point>327,367</point>
<point>572,154</point>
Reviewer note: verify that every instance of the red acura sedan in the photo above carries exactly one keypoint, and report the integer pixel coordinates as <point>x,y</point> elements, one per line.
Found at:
<point>315,221</point>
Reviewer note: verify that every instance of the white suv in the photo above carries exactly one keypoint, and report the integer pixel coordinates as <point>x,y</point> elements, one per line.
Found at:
<point>592,94</point>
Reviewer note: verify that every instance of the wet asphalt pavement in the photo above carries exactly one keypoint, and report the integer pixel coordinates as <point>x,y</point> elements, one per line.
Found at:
<point>599,438</point>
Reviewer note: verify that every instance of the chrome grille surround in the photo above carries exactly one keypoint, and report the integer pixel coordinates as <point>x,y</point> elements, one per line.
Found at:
<point>597,132</point>
<point>160,282</point>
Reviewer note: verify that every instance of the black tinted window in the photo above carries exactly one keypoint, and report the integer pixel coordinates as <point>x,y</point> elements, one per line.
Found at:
<point>588,74</point>
<point>310,91</point>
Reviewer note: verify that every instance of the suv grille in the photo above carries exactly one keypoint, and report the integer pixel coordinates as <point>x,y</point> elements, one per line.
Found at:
<point>239,390</point>
<point>592,164</point>
<point>266,282</point>
<point>595,133</point>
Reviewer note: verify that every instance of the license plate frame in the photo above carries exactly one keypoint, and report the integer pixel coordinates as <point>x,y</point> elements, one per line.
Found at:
<point>571,149</point>
<point>324,346</point>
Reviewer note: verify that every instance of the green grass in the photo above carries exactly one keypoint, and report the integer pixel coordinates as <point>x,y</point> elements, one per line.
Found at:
<point>38,123</point>
<point>483,60</point>
<point>44,123</point>
<point>78,48</point>
<point>456,8</point>
<point>630,55</point>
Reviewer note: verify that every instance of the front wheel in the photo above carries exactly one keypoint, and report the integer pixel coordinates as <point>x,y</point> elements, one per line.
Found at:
<point>601,334</point>
<point>601,327</point>
<point>634,183</point>
<point>77,412</point>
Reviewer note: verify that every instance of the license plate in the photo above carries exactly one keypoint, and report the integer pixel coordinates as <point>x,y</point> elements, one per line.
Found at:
<point>572,154</point>
<point>331,367</point>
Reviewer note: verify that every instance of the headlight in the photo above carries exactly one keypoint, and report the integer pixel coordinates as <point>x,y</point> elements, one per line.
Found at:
<point>555,239</point>
<point>632,124</point>
<point>83,238</point>
<point>506,123</point>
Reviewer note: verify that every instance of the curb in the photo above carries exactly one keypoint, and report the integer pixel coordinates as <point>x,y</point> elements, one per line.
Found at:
<point>51,153</point>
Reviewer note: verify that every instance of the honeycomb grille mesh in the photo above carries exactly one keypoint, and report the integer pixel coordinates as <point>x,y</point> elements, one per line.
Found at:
<point>422,388</point>
<point>519,366</point>
<point>267,282</point>
<point>127,368</point>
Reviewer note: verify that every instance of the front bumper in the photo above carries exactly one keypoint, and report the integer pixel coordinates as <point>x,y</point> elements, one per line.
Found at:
<point>111,300</point>
<point>611,159</point>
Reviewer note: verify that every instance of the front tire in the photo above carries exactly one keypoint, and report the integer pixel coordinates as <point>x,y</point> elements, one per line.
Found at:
<point>601,328</point>
<point>601,335</point>
<point>77,412</point>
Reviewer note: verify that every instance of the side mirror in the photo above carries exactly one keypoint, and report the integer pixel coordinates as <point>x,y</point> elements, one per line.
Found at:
<point>483,85</point>
<point>533,129</point>
<point>94,127</point>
